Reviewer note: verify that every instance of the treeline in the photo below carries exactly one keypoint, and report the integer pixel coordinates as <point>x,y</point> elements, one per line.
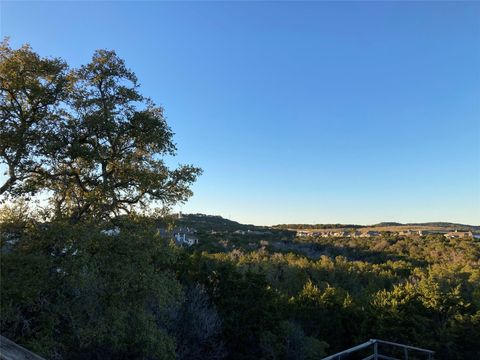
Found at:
<point>448,225</point>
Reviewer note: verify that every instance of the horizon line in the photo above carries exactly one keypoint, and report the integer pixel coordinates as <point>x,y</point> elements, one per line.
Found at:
<point>332,223</point>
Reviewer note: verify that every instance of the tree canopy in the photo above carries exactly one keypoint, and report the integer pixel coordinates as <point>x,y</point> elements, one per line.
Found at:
<point>86,137</point>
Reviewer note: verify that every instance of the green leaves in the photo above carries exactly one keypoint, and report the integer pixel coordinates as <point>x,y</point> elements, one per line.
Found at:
<point>74,291</point>
<point>86,137</point>
<point>31,90</point>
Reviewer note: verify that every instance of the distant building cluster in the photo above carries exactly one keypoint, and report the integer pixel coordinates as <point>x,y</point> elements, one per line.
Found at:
<point>449,235</point>
<point>182,235</point>
<point>185,236</point>
<point>461,234</point>
<point>337,233</point>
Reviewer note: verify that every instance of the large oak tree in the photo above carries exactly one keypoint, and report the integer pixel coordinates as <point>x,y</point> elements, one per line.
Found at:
<point>86,137</point>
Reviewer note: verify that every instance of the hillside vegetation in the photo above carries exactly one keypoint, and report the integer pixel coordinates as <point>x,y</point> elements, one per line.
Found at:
<point>422,290</point>
<point>202,222</point>
<point>74,292</point>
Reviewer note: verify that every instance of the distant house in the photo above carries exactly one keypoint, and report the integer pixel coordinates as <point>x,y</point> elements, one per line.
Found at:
<point>303,233</point>
<point>459,234</point>
<point>341,234</point>
<point>184,236</point>
<point>111,232</point>
<point>370,234</point>
<point>186,239</point>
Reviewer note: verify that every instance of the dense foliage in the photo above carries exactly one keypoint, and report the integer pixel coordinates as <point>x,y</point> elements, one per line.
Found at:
<point>86,138</point>
<point>75,291</point>
<point>423,291</point>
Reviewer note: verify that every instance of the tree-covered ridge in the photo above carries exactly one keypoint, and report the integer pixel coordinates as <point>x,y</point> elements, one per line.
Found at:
<point>203,222</point>
<point>384,226</point>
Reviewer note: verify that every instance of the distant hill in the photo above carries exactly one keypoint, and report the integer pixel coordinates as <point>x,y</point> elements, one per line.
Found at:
<point>445,224</point>
<point>383,225</point>
<point>388,224</point>
<point>438,224</point>
<point>202,222</point>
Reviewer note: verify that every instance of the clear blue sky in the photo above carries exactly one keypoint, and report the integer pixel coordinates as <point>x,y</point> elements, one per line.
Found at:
<point>298,112</point>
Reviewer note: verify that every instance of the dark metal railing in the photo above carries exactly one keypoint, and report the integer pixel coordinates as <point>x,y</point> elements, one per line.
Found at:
<point>428,354</point>
<point>12,351</point>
